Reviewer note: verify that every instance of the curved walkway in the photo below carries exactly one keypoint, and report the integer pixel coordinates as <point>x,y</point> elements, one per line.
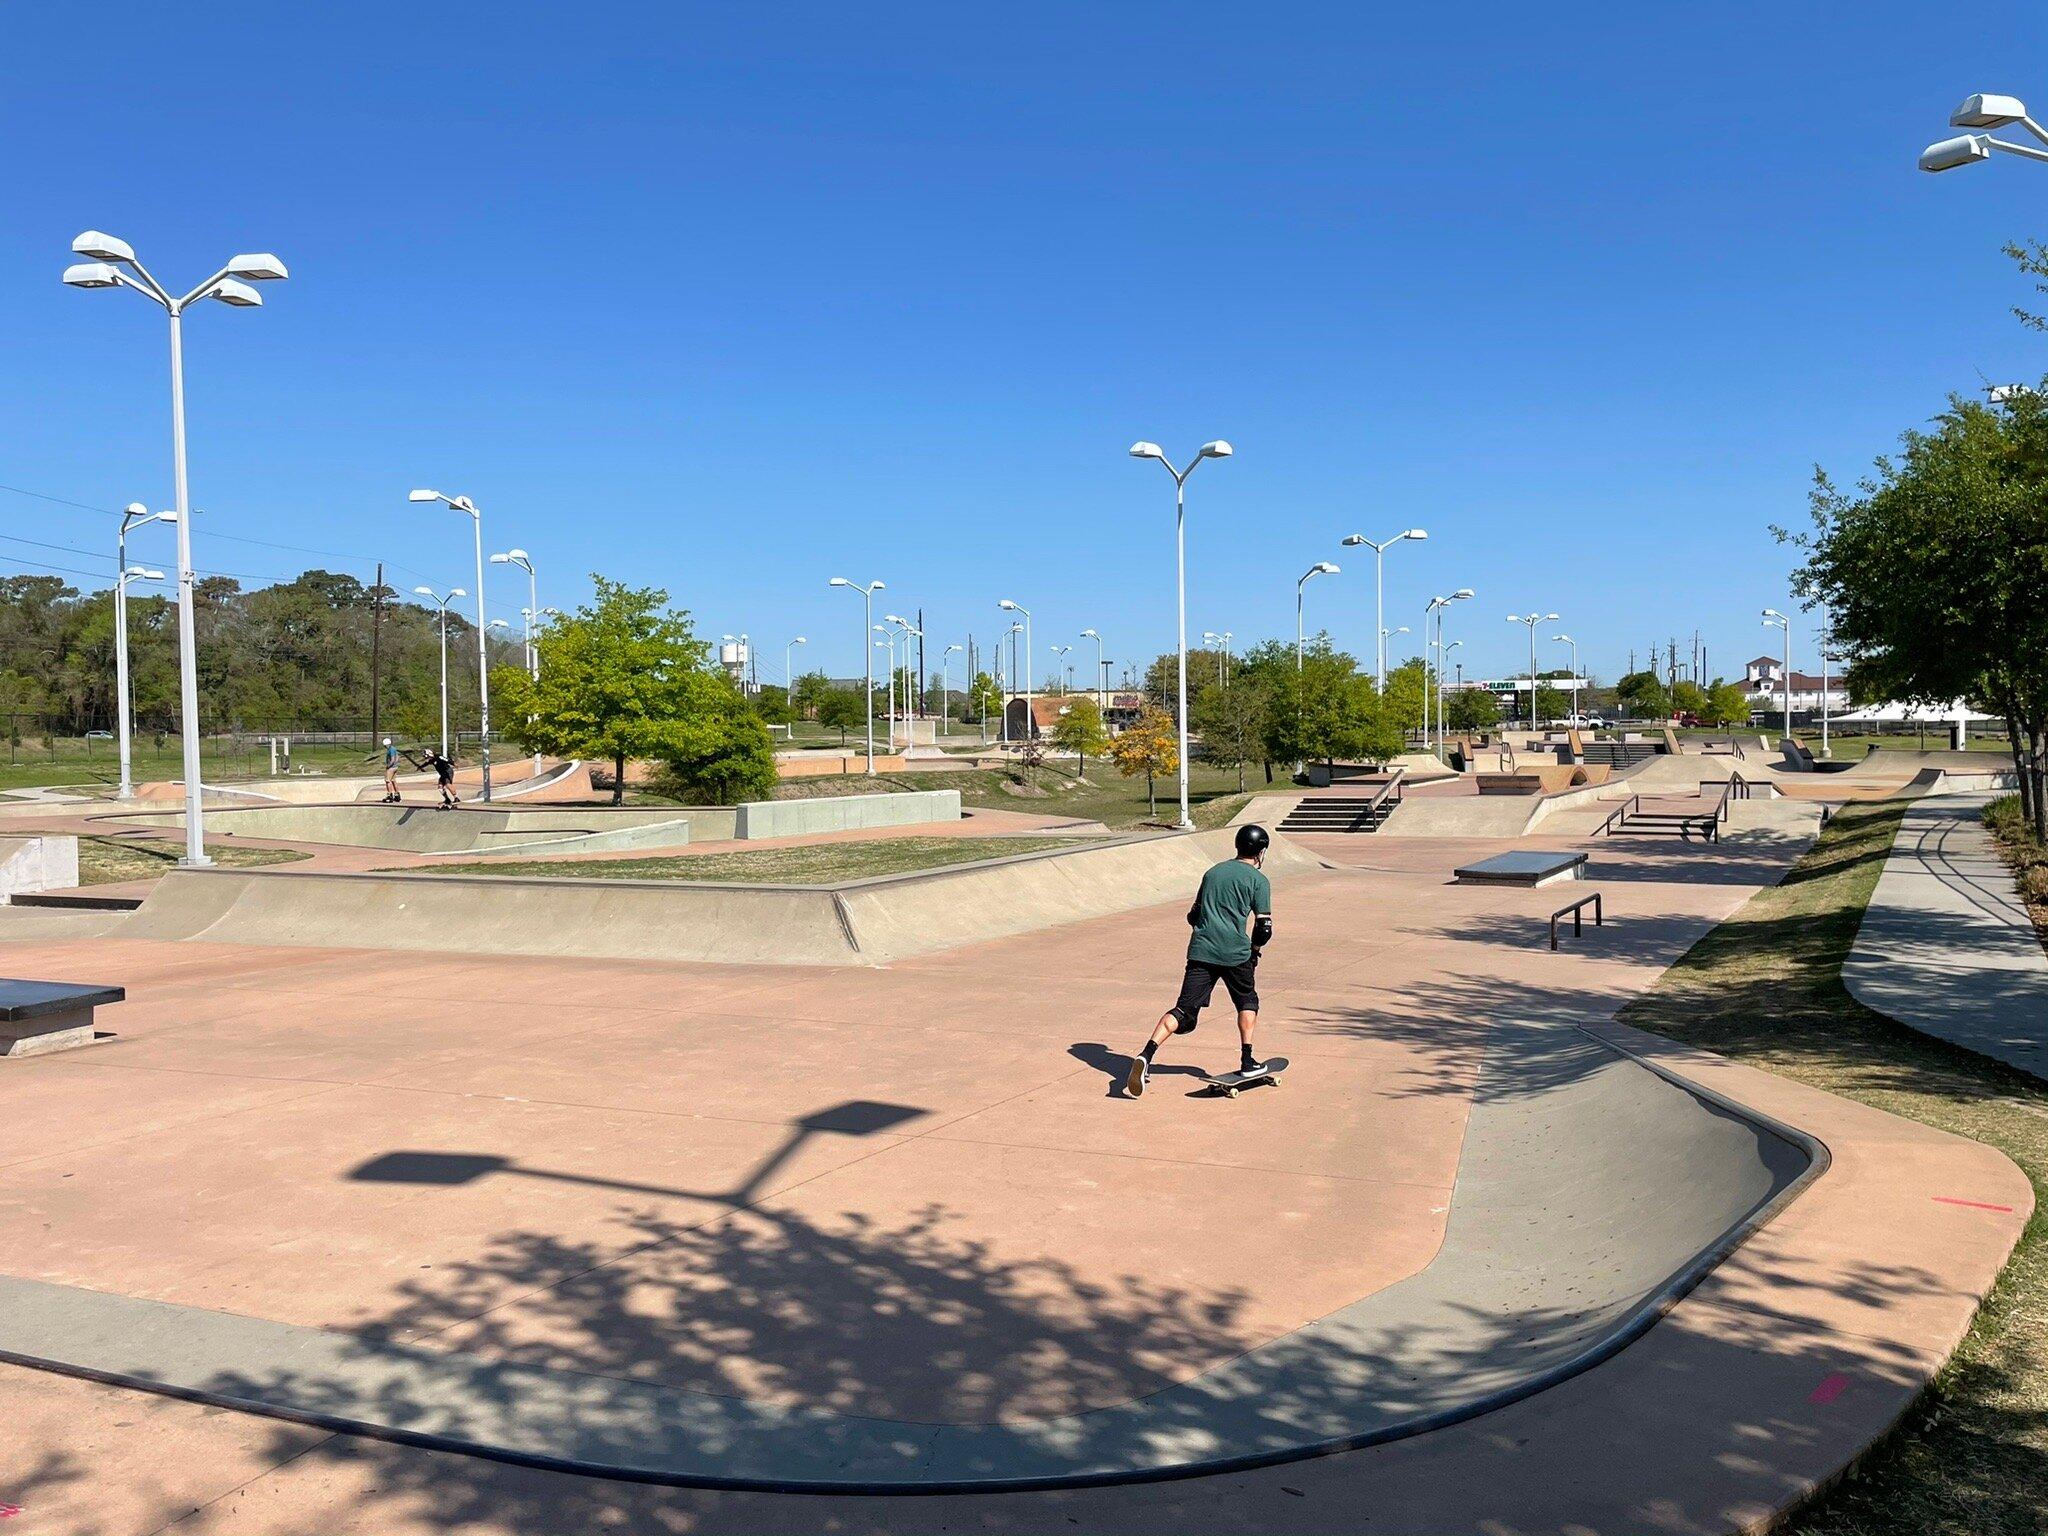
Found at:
<point>1947,946</point>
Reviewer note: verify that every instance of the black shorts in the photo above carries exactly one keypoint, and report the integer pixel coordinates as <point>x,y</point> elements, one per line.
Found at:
<point>1240,980</point>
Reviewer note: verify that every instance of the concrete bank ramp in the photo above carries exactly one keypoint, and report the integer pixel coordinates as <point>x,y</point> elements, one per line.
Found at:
<point>1422,815</point>
<point>424,829</point>
<point>870,922</point>
<point>1592,1192</point>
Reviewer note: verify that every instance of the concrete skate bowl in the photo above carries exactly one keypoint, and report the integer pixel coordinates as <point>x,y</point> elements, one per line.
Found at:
<point>1592,1192</point>
<point>424,829</point>
<point>862,922</point>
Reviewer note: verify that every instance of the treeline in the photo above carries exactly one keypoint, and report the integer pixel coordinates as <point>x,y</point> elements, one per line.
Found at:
<point>292,656</point>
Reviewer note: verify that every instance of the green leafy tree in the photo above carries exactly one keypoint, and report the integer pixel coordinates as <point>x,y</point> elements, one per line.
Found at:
<point>1471,709</point>
<point>840,710</point>
<point>1727,704</point>
<point>1643,696</point>
<point>718,752</point>
<point>623,677</point>
<point>812,689</point>
<point>1231,723</point>
<point>1688,698</point>
<point>984,698</point>
<point>1402,701</point>
<point>1149,746</point>
<point>1162,678</point>
<point>773,706</point>
<point>1080,730</point>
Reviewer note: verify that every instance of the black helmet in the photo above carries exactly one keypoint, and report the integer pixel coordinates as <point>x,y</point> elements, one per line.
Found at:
<point>1252,840</point>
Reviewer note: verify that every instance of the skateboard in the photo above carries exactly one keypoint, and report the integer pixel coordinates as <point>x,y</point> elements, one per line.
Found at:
<point>1230,1084</point>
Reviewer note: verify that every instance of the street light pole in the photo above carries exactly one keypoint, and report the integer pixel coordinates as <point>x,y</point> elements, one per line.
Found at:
<point>1320,568</point>
<point>1827,638</point>
<point>1532,619</point>
<point>1379,582</point>
<point>1984,112</point>
<point>442,603</point>
<point>124,709</point>
<point>1435,609</point>
<point>1101,667</point>
<point>113,265</point>
<point>134,515</point>
<point>945,690</point>
<point>1030,718</point>
<point>1443,708</point>
<point>468,509</point>
<point>867,624</point>
<point>1771,617</point>
<point>1217,449</point>
<point>524,561</point>
<point>788,671</point>
<point>1568,640</point>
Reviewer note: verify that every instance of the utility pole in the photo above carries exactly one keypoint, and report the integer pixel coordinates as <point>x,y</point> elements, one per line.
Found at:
<point>376,648</point>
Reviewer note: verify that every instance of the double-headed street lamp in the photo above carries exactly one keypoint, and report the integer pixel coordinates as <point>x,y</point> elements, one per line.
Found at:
<point>468,509</point>
<point>1062,673</point>
<point>524,562</point>
<point>442,603</point>
<point>125,707</point>
<point>1320,568</point>
<point>868,598</point>
<point>113,265</point>
<point>1434,610</point>
<point>1443,709</point>
<point>134,515</point>
<point>945,689</point>
<point>1774,618</point>
<point>1984,112</point>
<point>1211,450</point>
<point>904,631</point>
<point>1101,666</point>
<point>1030,720</point>
<point>1379,584</point>
<point>1532,619</point>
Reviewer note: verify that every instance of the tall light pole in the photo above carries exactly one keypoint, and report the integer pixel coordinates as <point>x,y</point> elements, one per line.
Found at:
<point>1773,617</point>
<point>113,265</point>
<point>1101,667</point>
<point>905,631</point>
<point>867,594</point>
<point>469,510</point>
<point>1443,708</point>
<point>524,561</point>
<point>945,689</point>
<point>1320,568</point>
<point>1827,640</point>
<point>1211,450</point>
<point>888,644</point>
<point>442,603</point>
<point>1030,720</point>
<point>124,708</point>
<point>1434,610</point>
<point>1062,673</point>
<point>134,515</point>
<point>788,671</point>
<point>1210,635</point>
<point>1568,640</point>
<point>1379,584</point>
<point>1984,112</point>
<point>1532,619</point>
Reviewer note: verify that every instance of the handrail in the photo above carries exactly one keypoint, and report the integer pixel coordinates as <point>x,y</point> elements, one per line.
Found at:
<point>1576,912</point>
<point>1633,803</point>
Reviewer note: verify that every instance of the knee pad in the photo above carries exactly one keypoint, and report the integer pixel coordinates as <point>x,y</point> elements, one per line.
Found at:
<point>1184,1025</point>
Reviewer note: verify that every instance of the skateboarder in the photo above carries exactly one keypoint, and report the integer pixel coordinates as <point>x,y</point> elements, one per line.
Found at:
<point>1233,919</point>
<point>390,772</point>
<point>444,775</point>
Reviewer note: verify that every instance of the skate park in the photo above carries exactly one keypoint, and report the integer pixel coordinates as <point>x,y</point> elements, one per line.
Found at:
<point>765,1196</point>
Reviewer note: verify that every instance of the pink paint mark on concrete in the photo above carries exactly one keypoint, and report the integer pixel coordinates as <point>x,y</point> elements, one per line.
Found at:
<point>1832,1386</point>
<point>1975,1205</point>
<point>9,1511</point>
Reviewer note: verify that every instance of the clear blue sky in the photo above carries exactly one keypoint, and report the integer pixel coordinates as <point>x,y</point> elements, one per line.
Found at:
<point>732,299</point>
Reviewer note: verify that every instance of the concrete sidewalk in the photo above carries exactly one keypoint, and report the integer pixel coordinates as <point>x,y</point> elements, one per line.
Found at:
<point>1947,946</point>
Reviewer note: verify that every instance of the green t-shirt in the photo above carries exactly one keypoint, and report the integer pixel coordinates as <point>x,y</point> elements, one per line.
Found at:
<point>1230,893</point>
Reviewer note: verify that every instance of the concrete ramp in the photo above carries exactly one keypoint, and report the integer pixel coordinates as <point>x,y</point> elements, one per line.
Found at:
<point>1463,816</point>
<point>869,922</point>
<point>424,829</point>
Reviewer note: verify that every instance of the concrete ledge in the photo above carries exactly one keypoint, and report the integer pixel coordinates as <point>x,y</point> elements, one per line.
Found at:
<point>844,813</point>
<point>42,863</point>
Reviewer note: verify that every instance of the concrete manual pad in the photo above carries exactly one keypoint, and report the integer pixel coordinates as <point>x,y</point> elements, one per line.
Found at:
<point>1529,868</point>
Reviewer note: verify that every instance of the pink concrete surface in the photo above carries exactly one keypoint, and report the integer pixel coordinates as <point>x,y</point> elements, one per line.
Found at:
<point>1022,1244</point>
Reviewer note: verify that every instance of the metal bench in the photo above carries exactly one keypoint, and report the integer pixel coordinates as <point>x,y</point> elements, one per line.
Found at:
<point>39,1016</point>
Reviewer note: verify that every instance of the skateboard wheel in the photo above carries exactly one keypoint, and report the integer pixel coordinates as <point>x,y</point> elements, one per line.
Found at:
<point>1230,1093</point>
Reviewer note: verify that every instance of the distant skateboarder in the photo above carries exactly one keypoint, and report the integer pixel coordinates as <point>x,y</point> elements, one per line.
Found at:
<point>1233,920</point>
<point>390,772</point>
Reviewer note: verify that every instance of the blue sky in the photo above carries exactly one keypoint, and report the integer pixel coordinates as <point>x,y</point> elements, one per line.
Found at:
<point>732,299</point>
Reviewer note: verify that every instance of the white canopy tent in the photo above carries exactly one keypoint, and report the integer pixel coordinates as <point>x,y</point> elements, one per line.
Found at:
<point>1955,718</point>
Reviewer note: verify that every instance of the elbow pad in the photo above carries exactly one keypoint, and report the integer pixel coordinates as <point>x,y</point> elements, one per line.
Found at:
<point>1262,932</point>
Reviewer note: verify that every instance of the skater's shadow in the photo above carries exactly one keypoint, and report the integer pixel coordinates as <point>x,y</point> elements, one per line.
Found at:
<point>1113,1065</point>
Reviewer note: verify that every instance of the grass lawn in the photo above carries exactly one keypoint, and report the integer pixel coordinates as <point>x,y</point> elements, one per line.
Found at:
<point>1844,745</point>
<point>812,864</point>
<point>106,860</point>
<point>1765,989</point>
<point>2025,853</point>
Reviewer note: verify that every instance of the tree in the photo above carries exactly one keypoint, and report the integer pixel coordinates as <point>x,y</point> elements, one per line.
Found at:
<point>1936,572</point>
<point>1148,746</point>
<point>1401,700</point>
<point>1727,704</point>
<point>985,698</point>
<point>1080,730</point>
<point>1231,722</point>
<point>1688,698</point>
<point>773,706</point>
<point>1324,709</point>
<point>1551,703</point>
<point>812,689</point>
<point>1642,695</point>
<point>623,677</point>
<point>840,710</point>
<point>718,751</point>
<point>1162,678</point>
<point>1471,709</point>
